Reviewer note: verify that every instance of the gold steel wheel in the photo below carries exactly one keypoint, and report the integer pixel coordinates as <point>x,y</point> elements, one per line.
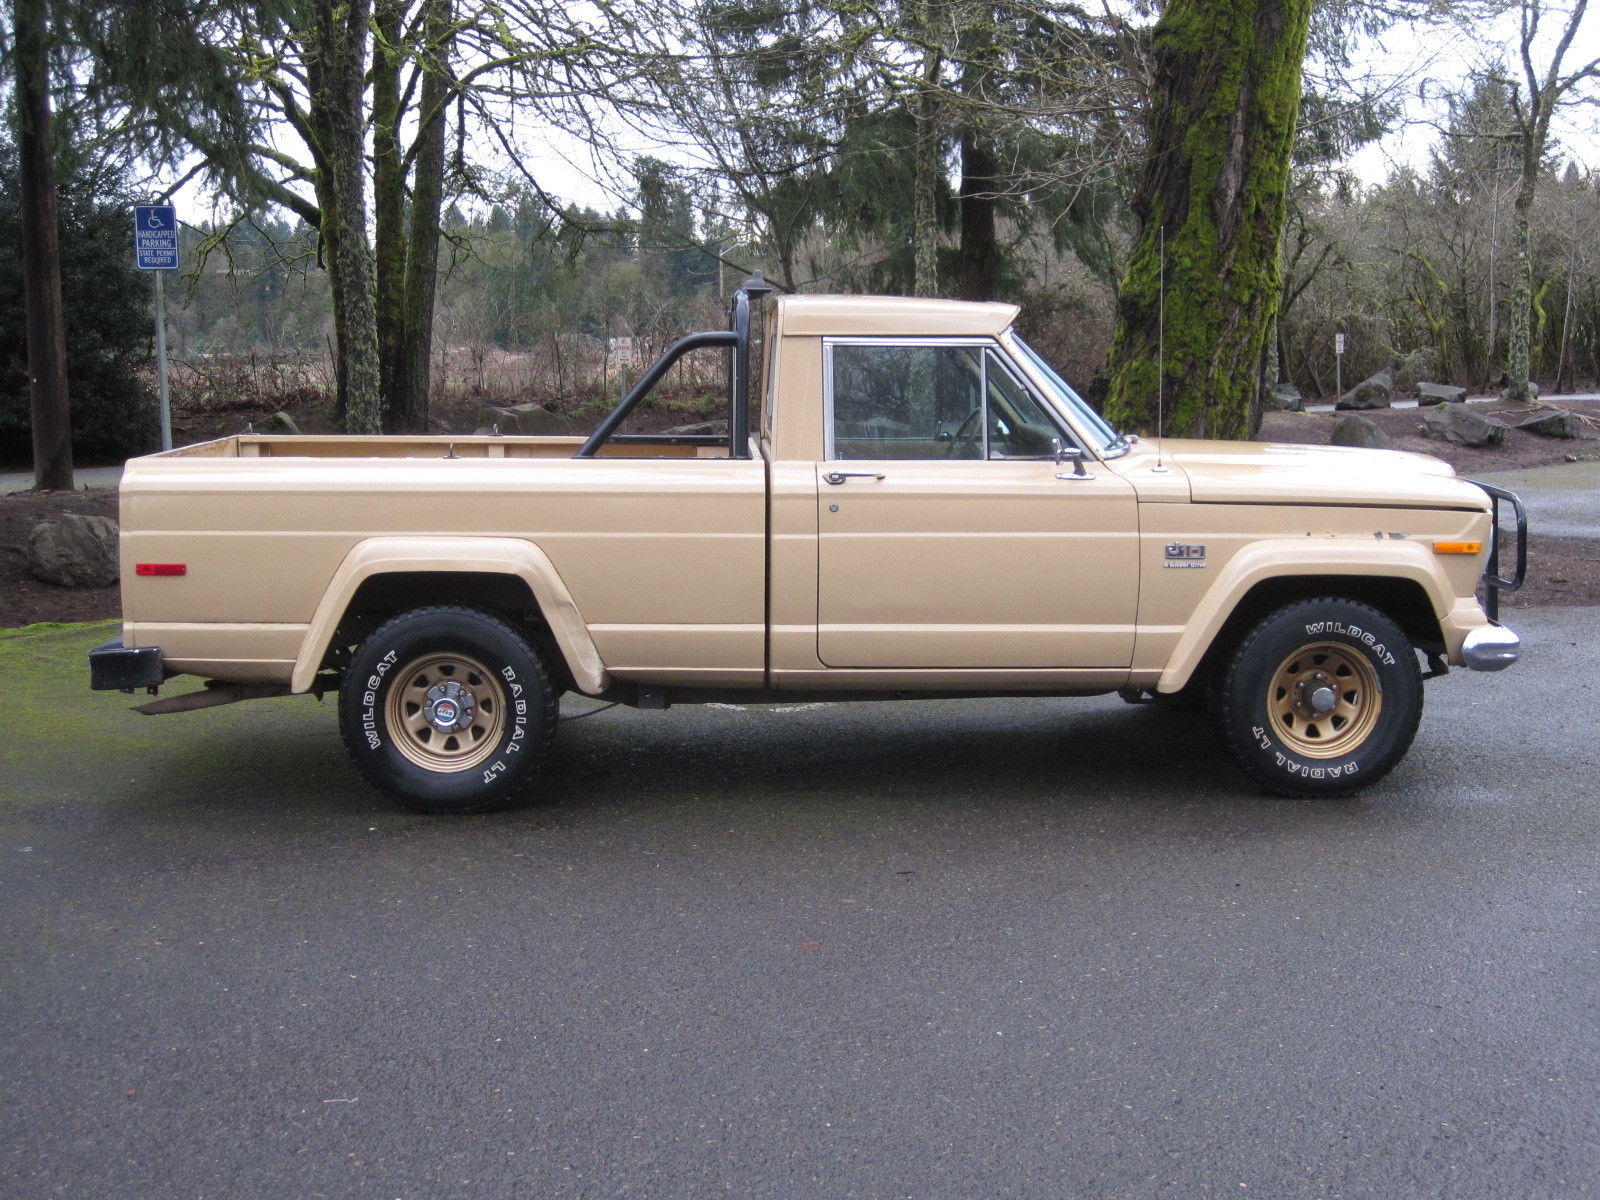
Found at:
<point>1323,700</point>
<point>445,712</point>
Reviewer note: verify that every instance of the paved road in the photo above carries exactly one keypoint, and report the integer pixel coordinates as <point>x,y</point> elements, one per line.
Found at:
<point>994,949</point>
<point>1563,500</point>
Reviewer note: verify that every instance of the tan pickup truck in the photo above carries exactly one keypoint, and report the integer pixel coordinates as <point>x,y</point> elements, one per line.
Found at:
<point>907,502</point>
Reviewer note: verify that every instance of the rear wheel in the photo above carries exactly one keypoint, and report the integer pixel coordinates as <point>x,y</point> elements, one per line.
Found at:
<point>447,710</point>
<point>1321,698</point>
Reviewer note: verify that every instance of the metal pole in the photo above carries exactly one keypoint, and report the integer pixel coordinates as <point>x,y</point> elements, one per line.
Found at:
<point>161,363</point>
<point>1338,375</point>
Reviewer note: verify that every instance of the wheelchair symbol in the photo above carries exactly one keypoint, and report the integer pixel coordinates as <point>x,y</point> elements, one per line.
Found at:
<point>153,221</point>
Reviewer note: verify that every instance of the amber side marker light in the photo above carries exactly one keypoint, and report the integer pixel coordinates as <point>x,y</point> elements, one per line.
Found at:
<point>1457,547</point>
<point>161,569</point>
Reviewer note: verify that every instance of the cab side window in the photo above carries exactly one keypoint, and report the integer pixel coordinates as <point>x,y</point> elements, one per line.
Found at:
<point>933,402</point>
<point>907,401</point>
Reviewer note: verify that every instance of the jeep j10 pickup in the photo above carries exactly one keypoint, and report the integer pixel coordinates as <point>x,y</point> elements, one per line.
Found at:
<point>907,502</point>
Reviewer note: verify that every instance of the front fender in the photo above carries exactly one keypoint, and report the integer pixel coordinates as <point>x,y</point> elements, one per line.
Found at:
<point>1261,562</point>
<point>486,555</point>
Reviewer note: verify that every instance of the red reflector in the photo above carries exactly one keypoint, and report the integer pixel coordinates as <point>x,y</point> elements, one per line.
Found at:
<point>161,569</point>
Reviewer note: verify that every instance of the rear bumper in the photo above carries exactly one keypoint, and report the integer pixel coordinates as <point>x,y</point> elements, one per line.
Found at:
<point>1490,648</point>
<point>114,667</point>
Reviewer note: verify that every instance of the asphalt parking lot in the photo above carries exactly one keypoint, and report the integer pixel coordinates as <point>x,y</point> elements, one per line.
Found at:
<point>1000,948</point>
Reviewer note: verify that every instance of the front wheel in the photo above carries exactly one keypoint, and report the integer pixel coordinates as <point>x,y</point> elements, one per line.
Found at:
<point>1321,698</point>
<point>447,710</point>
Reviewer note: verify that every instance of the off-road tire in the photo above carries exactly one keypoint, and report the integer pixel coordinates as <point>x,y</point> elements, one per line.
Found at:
<point>392,694</point>
<point>1266,696</point>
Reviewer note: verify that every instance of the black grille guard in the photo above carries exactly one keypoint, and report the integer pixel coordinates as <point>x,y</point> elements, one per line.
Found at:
<point>1494,583</point>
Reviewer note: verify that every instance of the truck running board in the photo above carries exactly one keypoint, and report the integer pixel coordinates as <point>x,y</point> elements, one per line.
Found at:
<point>211,696</point>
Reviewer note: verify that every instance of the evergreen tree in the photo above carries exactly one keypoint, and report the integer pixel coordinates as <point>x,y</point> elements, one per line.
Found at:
<point>107,328</point>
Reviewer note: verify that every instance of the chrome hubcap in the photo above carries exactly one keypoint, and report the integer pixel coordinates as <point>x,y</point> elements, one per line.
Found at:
<point>450,707</point>
<point>1318,695</point>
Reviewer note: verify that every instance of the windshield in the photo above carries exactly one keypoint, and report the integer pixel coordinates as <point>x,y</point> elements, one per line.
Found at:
<point>1091,422</point>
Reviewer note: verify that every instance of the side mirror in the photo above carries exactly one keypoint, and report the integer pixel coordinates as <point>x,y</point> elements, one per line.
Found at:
<point>1072,454</point>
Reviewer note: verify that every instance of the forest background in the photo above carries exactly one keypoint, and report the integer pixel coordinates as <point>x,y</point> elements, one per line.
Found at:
<point>922,147</point>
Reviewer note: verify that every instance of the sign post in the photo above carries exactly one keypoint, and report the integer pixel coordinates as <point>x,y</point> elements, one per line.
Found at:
<point>155,248</point>
<point>1338,365</point>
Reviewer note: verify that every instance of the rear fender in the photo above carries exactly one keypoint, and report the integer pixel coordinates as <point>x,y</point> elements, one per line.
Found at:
<point>487,555</point>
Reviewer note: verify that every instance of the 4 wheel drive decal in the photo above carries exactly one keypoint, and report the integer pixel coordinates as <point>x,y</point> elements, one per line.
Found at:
<point>1356,633</point>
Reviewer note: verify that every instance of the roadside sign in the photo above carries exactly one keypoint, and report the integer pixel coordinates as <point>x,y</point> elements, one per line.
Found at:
<point>1338,343</point>
<point>155,237</point>
<point>155,248</point>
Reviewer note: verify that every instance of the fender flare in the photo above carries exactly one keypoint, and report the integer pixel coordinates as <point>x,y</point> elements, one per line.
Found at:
<point>516,557</point>
<point>1261,562</point>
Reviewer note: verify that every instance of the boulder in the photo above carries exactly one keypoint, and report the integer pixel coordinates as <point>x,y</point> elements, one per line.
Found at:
<point>279,422</point>
<point>1555,423</point>
<point>1440,393</point>
<point>1459,424</point>
<point>74,551</point>
<point>527,419</point>
<point>1533,392</point>
<point>1375,391</point>
<point>1353,430</point>
<point>699,428</point>
<point>1285,397</point>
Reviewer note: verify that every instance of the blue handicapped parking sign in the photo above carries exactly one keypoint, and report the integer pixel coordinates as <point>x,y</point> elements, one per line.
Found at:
<point>155,237</point>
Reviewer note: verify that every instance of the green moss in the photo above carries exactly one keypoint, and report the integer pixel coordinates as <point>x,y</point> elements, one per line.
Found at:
<point>1228,94</point>
<point>83,743</point>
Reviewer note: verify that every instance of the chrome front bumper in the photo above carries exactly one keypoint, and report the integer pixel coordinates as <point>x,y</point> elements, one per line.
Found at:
<point>1490,648</point>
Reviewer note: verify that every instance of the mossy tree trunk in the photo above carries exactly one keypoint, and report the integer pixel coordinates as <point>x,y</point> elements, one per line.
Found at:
<point>406,227</point>
<point>335,41</point>
<point>1519,348</point>
<point>929,161</point>
<point>388,200</point>
<point>422,241</point>
<point>1539,95</point>
<point>1227,81</point>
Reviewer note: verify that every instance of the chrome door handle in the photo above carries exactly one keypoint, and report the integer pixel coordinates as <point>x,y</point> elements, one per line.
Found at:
<point>1080,475</point>
<point>838,477</point>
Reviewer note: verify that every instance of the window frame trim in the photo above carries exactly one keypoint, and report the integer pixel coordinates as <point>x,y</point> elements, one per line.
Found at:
<point>990,344</point>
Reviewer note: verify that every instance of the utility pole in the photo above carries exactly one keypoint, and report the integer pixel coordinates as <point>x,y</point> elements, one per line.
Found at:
<point>41,251</point>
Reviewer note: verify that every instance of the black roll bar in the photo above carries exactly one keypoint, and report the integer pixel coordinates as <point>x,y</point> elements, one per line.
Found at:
<point>619,414</point>
<point>737,336</point>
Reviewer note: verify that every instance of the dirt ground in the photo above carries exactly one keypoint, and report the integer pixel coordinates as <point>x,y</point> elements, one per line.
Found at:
<point>1560,570</point>
<point>1404,427</point>
<point>24,599</point>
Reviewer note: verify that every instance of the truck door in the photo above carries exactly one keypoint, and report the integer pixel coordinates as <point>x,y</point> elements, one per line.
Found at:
<point>948,535</point>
